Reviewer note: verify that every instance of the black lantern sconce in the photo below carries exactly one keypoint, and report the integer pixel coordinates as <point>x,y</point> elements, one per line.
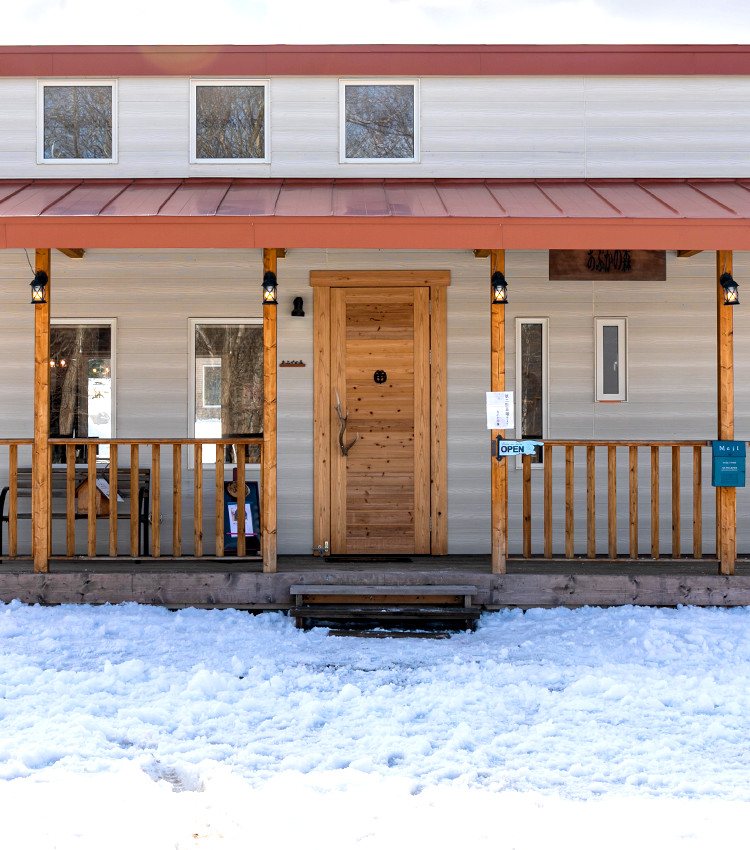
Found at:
<point>39,288</point>
<point>269,288</point>
<point>731,290</point>
<point>297,309</point>
<point>499,287</point>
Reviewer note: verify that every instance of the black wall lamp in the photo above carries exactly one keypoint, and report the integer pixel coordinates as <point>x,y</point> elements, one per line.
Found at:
<point>499,288</point>
<point>731,290</point>
<point>269,288</point>
<point>39,288</point>
<point>297,309</point>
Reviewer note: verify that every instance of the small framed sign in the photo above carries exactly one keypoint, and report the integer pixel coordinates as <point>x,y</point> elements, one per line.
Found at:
<point>607,264</point>
<point>500,414</point>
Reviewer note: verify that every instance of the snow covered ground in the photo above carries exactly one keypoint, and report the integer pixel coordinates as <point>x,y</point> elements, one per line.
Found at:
<point>134,727</point>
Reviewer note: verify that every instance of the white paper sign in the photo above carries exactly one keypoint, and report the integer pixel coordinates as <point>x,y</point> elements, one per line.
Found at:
<point>500,413</point>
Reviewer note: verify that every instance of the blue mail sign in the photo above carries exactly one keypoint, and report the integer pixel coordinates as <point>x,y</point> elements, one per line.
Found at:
<point>513,448</point>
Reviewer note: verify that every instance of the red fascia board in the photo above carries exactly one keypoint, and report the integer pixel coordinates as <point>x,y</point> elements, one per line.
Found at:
<point>375,60</point>
<point>362,233</point>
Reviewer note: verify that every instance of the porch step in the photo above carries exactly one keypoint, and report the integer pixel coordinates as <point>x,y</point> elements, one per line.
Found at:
<point>423,607</point>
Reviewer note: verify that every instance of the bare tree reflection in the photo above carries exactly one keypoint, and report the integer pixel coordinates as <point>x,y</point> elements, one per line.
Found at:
<point>379,121</point>
<point>230,122</point>
<point>78,122</point>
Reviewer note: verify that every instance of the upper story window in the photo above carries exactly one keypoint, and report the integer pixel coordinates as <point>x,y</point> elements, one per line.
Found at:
<point>228,121</point>
<point>77,121</point>
<point>379,121</point>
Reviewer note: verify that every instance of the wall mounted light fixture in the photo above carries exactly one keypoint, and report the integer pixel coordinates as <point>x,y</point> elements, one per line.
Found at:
<point>297,310</point>
<point>499,288</point>
<point>39,288</point>
<point>269,288</point>
<point>731,290</point>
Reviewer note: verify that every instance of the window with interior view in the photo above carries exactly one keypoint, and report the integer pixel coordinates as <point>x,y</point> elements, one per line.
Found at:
<point>531,382</point>
<point>228,121</point>
<point>82,384</point>
<point>226,372</point>
<point>379,121</point>
<point>77,122</point>
<point>611,363</point>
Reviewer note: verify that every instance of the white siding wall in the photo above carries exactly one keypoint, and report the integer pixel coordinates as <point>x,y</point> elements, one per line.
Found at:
<point>671,351</point>
<point>570,126</point>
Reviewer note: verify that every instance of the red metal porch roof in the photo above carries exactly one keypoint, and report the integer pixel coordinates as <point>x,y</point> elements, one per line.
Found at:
<point>416,214</point>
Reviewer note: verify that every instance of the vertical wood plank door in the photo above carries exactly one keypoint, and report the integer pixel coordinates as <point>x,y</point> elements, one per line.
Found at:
<point>380,369</point>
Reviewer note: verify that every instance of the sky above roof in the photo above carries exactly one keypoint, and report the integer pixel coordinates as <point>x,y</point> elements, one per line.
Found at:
<point>377,22</point>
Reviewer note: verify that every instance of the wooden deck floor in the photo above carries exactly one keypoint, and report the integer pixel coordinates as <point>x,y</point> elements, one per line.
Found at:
<point>243,584</point>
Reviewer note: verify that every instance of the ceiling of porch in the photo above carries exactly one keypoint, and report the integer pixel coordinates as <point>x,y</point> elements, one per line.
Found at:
<point>417,214</point>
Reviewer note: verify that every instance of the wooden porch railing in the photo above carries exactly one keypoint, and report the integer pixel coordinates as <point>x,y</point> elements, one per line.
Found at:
<point>685,456</point>
<point>139,467</point>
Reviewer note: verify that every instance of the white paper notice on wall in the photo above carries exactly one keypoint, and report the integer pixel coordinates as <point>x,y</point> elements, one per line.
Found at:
<point>500,411</point>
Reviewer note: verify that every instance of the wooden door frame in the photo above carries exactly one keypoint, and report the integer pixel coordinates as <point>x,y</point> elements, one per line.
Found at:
<point>436,281</point>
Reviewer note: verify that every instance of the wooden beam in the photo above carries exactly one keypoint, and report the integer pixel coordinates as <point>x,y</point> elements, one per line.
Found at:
<point>73,253</point>
<point>281,253</point>
<point>40,497</point>
<point>499,469</point>
<point>482,253</point>
<point>268,472</point>
<point>726,497</point>
<point>685,254</point>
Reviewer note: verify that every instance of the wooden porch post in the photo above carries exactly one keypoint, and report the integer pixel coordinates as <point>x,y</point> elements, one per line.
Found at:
<point>499,475</point>
<point>40,494</point>
<point>268,472</point>
<point>726,497</point>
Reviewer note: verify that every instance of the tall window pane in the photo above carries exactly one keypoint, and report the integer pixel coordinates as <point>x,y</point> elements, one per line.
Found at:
<point>81,398</point>
<point>531,364</point>
<point>78,122</point>
<point>379,121</point>
<point>610,359</point>
<point>228,388</point>
<point>230,122</point>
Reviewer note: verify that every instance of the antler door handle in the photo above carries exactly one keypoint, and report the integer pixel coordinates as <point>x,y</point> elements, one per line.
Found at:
<point>342,445</point>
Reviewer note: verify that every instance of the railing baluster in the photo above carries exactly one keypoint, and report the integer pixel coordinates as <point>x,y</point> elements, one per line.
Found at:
<point>219,471</point>
<point>697,503</point>
<point>134,501</point>
<point>654,502</point>
<point>569,501</point>
<point>13,501</point>
<point>91,493</point>
<point>547,501</point>
<point>633,463</point>
<point>113,500</point>
<point>198,500</point>
<point>526,465</point>
<point>240,449</point>
<point>176,500</point>
<point>676,501</point>
<point>612,501</point>
<point>70,500</point>
<point>590,502</point>
<point>155,500</point>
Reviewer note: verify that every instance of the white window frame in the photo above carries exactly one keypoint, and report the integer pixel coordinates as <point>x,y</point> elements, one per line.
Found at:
<point>41,85</point>
<point>342,121</point>
<point>112,357</point>
<point>192,322</point>
<point>544,322</point>
<point>266,84</point>
<point>622,358</point>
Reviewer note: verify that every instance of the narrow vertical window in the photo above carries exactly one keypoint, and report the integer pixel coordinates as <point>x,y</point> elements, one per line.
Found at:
<point>531,382</point>
<point>229,121</point>
<point>82,397</point>
<point>611,364</point>
<point>226,372</point>
<point>76,122</point>
<point>379,121</point>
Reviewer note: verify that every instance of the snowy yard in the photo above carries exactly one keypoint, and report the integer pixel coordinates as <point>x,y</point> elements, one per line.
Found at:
<point>134,727</point>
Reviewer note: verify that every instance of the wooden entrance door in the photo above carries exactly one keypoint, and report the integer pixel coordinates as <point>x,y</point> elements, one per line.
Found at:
<point>386,468</point>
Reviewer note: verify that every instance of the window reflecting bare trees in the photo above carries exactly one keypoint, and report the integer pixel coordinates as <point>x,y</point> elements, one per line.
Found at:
<point>379,121</point>
<point>78,122</point>
<point>230,122</point>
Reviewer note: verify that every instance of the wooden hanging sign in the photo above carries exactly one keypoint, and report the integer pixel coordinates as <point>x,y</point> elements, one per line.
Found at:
<point>607,264</point>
